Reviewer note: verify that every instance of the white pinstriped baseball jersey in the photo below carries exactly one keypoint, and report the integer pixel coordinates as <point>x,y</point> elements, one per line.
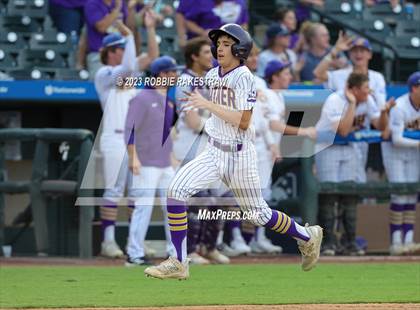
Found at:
<point>338,163</point>
<point>404,116</point>
<point>186,136</point>
<point>267,108</point>
<point>234,90</point>
<point>260,83</point>
<point>237,169</point>
<point>277,110</point>
<point>335,108</point>
<point>115,102</point>
<point>337,80</point>
<point>106,77</point>
<point>403,161</point>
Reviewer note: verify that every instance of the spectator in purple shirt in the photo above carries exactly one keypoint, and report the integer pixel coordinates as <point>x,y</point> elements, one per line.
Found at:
<point>149,152</point>
<point>302,11</point>
<point>100,18</point>
<point>67,15</point>
<point>287,18</point>
<point>210,14</point>
<point>183,8</point>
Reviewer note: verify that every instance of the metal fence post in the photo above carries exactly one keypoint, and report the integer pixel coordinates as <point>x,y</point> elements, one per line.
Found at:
<point>310,187</point>
<point>38,201</point>
<point>86,213</point>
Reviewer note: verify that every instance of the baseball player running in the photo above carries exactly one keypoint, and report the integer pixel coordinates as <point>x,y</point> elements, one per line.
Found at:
<point>403,166</point>
<point>118,55</point>
<point>190,141</point>
<point>229,156</point>
<point>344,112</point>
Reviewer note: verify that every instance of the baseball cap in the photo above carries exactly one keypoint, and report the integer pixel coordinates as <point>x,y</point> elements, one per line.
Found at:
<point>273,67</point>
<point>276,30</point>
<point>114,39</point>
<point>362,42</point>
<point>414,79</point>
<point>162,64</point>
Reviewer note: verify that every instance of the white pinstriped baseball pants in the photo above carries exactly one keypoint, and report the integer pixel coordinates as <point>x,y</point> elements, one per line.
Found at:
<point>238,170</point>
<point>402,165</point>
<point>265,168</point>
<point>337,163</point>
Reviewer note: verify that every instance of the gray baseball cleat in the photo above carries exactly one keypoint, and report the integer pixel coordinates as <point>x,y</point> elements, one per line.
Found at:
<point>169,269</point>
<point>310,249</point>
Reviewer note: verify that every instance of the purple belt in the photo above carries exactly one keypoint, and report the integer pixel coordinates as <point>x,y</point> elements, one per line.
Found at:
<point>226,147</point>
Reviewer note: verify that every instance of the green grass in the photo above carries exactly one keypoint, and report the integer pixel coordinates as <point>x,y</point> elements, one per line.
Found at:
<point>237,284</point>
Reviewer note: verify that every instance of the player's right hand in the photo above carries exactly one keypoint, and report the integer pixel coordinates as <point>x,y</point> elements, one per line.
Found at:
<point>134,165</point>
<point>150,19</point>
<point>275,152</point>
<point>123,29</point>
<point>310,132</point>
<point>343,43</point>
<point>118,5</point>
<point>350,96</point>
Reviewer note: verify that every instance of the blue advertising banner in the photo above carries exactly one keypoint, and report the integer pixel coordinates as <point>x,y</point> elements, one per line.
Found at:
<point>85,91</point>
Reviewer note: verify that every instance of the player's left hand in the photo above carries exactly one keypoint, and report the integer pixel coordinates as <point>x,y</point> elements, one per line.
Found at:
<point>309,132</point>
<point>150,19</point>
<point>195,100</point>
<point>275,152</point>
<point>389,104</point>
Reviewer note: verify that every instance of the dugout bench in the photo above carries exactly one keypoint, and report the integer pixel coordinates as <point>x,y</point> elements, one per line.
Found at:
<point>40,187</point>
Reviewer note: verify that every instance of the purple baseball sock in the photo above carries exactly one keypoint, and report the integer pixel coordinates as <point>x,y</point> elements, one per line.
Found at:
<point>408,222</point>
<point>247,236</point>
<point>108,214</point>
<point>234,224</point>
<point>177,219</point>
<point>282,223</point>
<point>396,221</point>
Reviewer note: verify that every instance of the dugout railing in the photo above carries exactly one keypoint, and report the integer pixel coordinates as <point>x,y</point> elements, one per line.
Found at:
<point>40,186</point>
<point>311,188</point>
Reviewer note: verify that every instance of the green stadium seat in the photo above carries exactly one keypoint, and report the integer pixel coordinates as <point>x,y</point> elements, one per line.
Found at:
<point>376,29</point>
<point>56,41</point>
<point>11,41</point>
<point>46,58</point>
<point>407,27</point>
<point>344,11</point>
<point>385,13</point>
<point>31,8</point>
<point>22,24</point>
<point>408,53</point>
<point>31,74</point>
<point>70,74</point>
<point>407,46</point>
<point>7,60</point>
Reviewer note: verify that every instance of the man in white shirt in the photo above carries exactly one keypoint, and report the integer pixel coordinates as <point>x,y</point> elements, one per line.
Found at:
<point>342,113</point>
<point>403,166</point>
<point>360,52</point>
<point>278,39</point>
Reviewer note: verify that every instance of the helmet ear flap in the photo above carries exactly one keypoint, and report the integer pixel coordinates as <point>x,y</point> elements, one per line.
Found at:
<point>234,50</point>
<point>214,51</point>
